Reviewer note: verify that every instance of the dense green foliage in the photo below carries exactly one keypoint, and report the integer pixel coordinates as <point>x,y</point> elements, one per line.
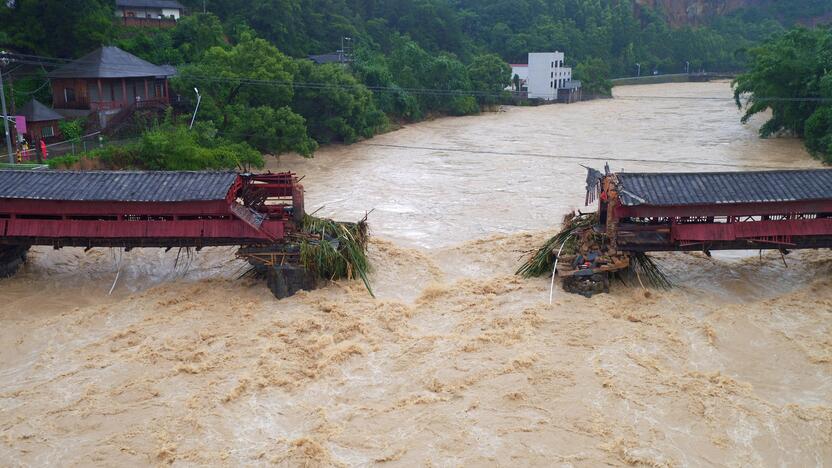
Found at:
<point>412,58</point>
<point>61,28</point>
<point>490,75</point>
<point>791,76</point>
<point>172,148</point>
<point>72,130</point>
<point>594,75</point>
<point>247,92</point>
<point>604,29</point>
<point>344,110</point>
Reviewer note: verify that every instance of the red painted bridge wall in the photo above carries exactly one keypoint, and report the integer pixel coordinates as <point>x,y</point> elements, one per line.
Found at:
<point>735,209</point>
<point>182,229</point>
<point>80,208</point>
<point>749,230</point>
<point>30,219</point>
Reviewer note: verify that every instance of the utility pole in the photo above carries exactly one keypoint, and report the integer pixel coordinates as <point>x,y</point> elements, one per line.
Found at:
<point>198,100</point>
<point>687,68</point>
<point>639,70</point>
<point>3,62</point>
<point>346,49</point>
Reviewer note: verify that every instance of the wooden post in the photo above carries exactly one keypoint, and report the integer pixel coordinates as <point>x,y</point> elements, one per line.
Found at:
<point>100,91</point>
<point>146,92</point>
<point>124,92</point>
<point>11,94</point>
<point>167,92</point>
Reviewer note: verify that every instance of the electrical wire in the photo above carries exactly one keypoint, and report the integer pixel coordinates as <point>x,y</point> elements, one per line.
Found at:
<point>570,157</point>
<point>564,157</point>
<point>440,92</point>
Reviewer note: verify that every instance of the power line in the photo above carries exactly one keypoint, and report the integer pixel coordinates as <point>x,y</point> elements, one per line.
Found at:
<point>572,158</point>
<point>635,97</point>
<point>533,155</point>
<point>441,92</point>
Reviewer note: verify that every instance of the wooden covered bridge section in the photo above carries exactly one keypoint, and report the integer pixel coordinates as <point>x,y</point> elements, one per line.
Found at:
<point>647,212</point>
<point>261,213</point>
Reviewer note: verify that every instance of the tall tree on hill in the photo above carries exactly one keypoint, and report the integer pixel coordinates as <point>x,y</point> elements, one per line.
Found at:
<point>247,93</point>
<point>197,33</point>
<point>62,28</point>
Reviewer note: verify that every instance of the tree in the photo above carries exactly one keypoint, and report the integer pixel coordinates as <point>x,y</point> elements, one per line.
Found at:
<point>341,110</point>
<point>195,34</point>
<point>61,28</point>
<point>247,93</point>
<point>489,75</point>
<point>819,133</point>
<point>787,76</point>
<point>594,75</point>
<point>272,130</point>
<point>790,66</point>
<point>372,69</point>
<point>155,46</point>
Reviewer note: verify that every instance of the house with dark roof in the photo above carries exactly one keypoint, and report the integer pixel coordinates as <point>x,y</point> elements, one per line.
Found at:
<point>110,79</point>
<point>149,13</point>
<point>572,91</point>
<point>41,122</point>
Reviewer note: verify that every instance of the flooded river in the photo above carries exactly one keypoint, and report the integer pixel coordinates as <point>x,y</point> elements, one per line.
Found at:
<point>457,362</point>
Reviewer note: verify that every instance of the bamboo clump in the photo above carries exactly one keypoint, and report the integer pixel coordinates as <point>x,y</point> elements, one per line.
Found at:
<point>578,229</point>
<point>642,265</point>
<point>542,261</point>
<point>334,250</point>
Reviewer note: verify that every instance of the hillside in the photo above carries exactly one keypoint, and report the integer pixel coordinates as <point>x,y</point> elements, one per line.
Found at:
<point>694,12</point>
<point>698,12</point>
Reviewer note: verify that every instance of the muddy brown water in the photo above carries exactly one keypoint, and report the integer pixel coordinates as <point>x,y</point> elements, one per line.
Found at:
<point>457,362</point>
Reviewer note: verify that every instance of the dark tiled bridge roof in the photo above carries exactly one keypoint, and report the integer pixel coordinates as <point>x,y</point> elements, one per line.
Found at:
<point>115,186</point>
<point>708,188</point>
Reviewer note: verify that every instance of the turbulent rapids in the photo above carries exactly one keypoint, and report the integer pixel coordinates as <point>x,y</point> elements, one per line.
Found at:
<point>456,361</point>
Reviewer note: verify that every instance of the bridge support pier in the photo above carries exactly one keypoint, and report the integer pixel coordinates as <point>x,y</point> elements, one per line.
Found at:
<point>285,280</point>
<point>12,257</point>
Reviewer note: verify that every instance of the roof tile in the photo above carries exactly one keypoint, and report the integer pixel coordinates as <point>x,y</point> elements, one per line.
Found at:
<point>135,186</point>
<point>664,189</point>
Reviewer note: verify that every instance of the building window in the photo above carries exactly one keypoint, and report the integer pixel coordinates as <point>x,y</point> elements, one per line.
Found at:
<point>69,95</point>
<point>47,132</point>
<point>551,84</point>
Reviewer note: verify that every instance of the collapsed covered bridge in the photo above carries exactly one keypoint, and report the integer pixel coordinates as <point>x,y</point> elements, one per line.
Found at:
<point>640,213</point>
<point>648,212</point>
<point>261,213</point>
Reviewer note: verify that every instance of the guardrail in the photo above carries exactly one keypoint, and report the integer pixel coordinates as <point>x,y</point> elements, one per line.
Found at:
<point>672,78</point>
<point>23,167</point>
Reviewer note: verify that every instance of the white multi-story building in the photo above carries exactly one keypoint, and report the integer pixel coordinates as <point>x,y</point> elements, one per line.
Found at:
<point>543,76</point>
<point>547,75</point>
